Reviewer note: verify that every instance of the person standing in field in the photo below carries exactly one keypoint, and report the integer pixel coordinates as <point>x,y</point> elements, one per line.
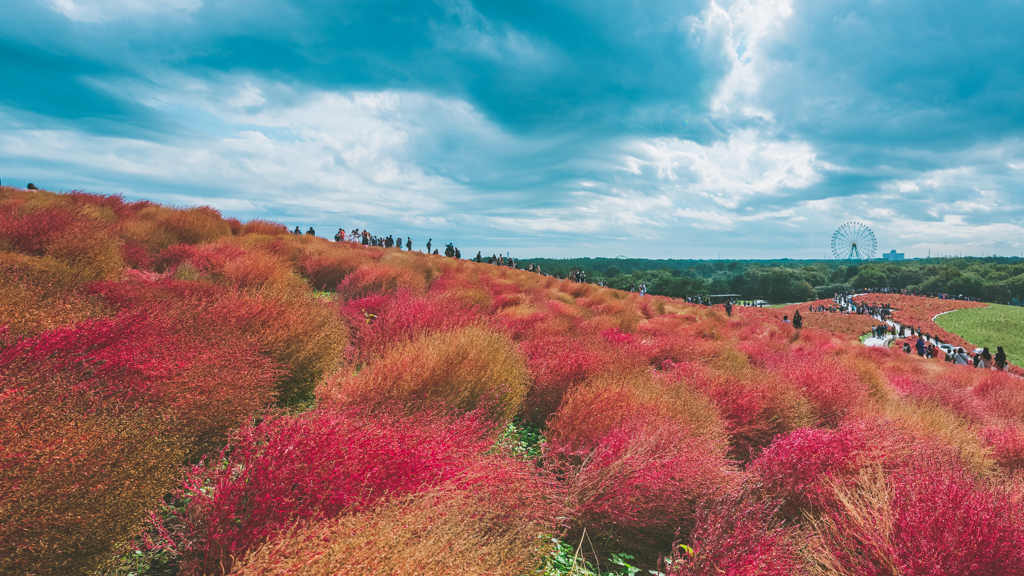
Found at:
<point>986,359</point>
<point>1001,363</point>
<point>960,358</point>
<point>798,320</point>
<point>429,240</point>
<point>408,244</point>
<point>920,346</point>
<point>728,309</point>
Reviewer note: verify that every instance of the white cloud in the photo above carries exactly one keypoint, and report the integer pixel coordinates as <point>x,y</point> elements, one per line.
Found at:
<point>333,152</point>
<point>725,172</point>
<point>104,10</point>
<point>731,34</point>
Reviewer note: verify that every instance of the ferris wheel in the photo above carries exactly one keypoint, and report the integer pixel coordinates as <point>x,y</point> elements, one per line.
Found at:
<point>854,241</point>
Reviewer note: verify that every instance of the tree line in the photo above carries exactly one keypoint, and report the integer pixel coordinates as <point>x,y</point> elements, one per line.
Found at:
<point>992,279</point>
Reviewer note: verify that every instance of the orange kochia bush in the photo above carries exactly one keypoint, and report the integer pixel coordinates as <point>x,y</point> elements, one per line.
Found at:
<point>466,369</point>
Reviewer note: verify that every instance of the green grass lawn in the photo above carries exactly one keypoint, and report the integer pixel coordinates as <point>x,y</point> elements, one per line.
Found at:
<point>998,325</point>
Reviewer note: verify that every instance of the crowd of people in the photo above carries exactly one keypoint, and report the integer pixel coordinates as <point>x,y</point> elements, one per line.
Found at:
<point>905,292</point>
<point>980,359</point>
<point>927,346</point>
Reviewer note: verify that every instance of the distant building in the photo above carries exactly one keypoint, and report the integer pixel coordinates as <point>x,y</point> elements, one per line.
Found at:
<point>892,256</point>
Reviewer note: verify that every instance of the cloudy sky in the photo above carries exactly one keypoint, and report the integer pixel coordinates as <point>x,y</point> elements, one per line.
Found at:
<point>646,128</point>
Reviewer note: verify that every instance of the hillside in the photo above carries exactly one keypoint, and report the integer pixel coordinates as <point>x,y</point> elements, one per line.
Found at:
<point>182,393</point>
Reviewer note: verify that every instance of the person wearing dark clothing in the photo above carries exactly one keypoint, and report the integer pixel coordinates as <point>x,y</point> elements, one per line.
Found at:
<point>728,309</point>
<point>920,346</point>
<point>310,232</point>
<point>1001,363</point>
<point>429,240</point>
<point>479,257</point>
<point>458,255</point>
<point>297,231</point>
<point>798,320</point>
<point>408,244</point>
<point>435,251</point>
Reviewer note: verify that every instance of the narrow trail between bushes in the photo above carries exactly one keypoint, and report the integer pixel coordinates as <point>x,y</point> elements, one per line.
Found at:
<point>888,339</point>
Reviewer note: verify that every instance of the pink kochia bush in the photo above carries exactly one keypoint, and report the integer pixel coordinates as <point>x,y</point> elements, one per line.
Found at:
<point>322,464</point>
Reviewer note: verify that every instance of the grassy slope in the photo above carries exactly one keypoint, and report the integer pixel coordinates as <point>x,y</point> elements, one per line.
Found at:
<point>998,325</point>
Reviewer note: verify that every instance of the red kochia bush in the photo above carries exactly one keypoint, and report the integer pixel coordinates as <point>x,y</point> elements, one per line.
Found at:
<point>755,405</point>
<point>406,317</point>
<point>319,465</point>
<point>832,388</point>
<point>557,364</point>
<point>800,468</point>
<point>739,535</point>
<point>929,517</point>
<point>380,279</point>
<point>1007,443</point>
<point>295,329</point>
<point>638,456</point>
<point>144,361</point>
<point>96,417</point>
<point>31,233</point>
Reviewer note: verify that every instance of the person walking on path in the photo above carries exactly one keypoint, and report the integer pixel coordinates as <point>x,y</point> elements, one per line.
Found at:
<point>728,309</point>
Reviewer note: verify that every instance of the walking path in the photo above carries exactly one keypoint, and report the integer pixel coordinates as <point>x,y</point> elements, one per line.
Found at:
<point>888,339</point>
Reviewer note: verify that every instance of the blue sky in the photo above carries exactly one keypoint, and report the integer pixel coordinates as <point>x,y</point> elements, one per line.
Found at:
<point>683,129</point>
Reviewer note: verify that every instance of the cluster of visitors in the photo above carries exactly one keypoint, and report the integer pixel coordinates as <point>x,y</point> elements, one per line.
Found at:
<point>844,304</point>
<point>980,359</point>
<point>797,322</point>
<point>580,275</point>
<point>367,239</point>
<point>905,292</point>
<point>883,330</point>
